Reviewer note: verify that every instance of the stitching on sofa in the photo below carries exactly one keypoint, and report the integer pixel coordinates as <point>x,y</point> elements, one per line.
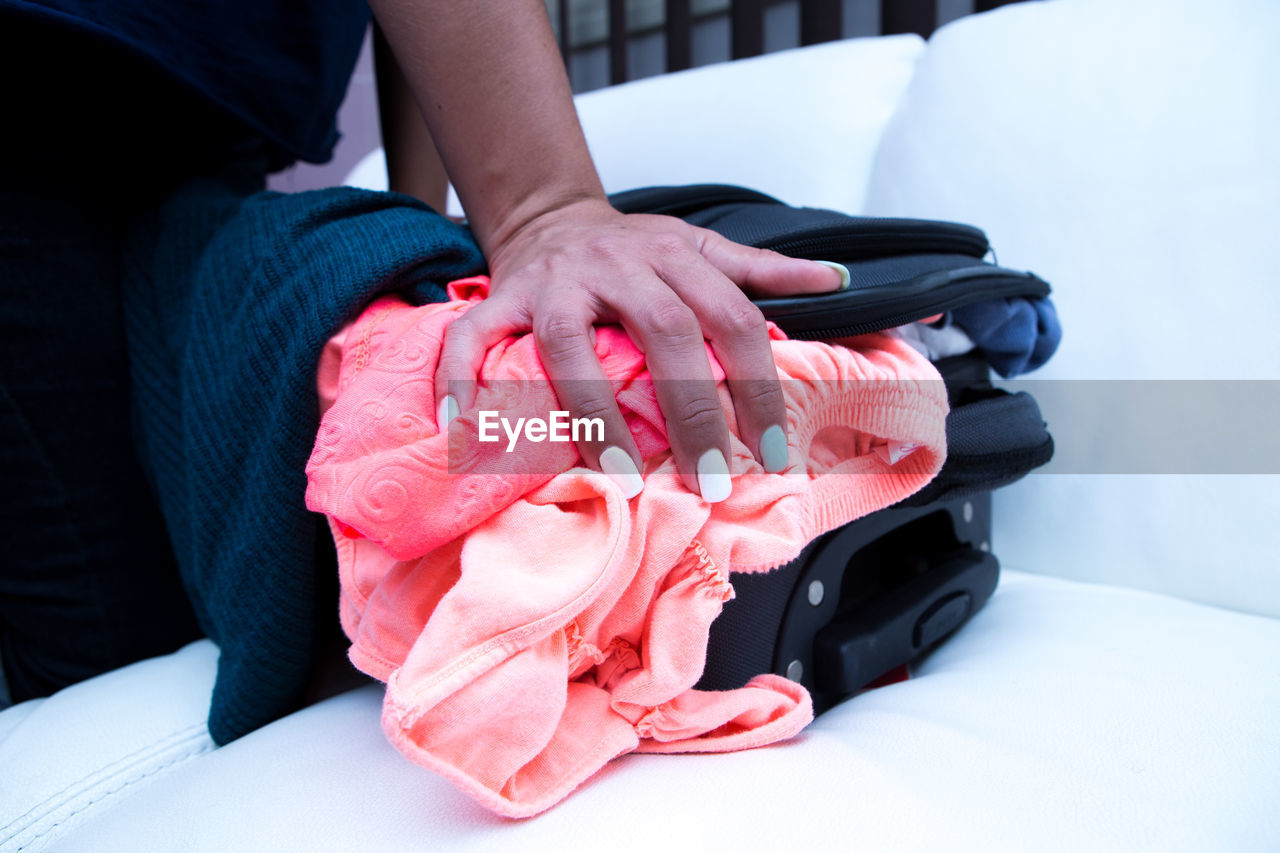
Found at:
<point>187,756</point>
<point>102,774</point>
<point>99,775</point>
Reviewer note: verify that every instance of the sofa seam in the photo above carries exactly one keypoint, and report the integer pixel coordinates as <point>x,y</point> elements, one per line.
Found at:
<point>187,756</point>
<point>62,796</point>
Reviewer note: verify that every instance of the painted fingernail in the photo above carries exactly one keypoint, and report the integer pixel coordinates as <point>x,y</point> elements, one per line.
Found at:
<point>845,278</point>
<point>713,477</point>
<point>618,465</point>
<point>773,449</point>
<point>448,411</point>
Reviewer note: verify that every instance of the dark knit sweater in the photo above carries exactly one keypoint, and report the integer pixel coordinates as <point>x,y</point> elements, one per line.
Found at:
<point>230,295</point>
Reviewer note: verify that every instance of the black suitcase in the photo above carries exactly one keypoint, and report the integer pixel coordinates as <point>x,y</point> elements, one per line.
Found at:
<point>870,597</point>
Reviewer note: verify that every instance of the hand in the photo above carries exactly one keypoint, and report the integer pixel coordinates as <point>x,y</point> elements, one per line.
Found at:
<point>669,285</point>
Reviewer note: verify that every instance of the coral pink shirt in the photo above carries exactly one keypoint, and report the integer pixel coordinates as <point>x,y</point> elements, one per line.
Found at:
<point>532,624</point>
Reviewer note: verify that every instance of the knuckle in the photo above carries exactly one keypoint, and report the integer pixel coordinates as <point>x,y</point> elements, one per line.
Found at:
<point>760,395</point>
<point>558,333</point>
<point>471,328</point>
<point>667,244</point>
<point>669,320</point>
<point>593,407</point>
<point>459,329</point>
<point>699,416</point>
<point>743,320</point>
<point>755,262</point>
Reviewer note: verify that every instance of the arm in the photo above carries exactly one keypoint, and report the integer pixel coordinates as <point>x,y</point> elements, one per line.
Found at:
<point>487,77</point>
<point>413,164</point>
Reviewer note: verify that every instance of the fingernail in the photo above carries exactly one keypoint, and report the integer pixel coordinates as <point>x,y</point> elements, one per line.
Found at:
<point>773,449</point>
<point>448,411</point>
<point>713,477</point>
<point>617,464</point>
<point>845,278</point>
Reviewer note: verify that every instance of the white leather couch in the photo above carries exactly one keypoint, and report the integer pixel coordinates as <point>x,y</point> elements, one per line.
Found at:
<point>1122,688</point>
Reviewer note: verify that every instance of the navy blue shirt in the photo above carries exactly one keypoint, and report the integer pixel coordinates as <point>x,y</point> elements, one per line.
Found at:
<point>280,66</point>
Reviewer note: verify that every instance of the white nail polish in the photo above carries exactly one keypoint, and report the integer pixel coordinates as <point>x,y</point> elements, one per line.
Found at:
<point>447,412</point>
<point>845,278</point>
<point>713,477</point>
<point>773,449</point>
<point>617,464</point>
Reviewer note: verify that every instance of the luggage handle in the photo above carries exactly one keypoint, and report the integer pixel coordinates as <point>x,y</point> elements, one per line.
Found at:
<point>860,646</point>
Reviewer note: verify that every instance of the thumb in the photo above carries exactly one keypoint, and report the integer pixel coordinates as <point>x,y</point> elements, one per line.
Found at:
<point>761,272</point>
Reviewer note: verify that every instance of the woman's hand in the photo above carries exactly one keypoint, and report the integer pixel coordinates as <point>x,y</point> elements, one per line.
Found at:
<point>489,83</point>
<point>670,285</point>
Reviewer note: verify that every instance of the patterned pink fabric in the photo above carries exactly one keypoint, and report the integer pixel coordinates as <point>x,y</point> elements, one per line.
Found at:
<point>532,624</point>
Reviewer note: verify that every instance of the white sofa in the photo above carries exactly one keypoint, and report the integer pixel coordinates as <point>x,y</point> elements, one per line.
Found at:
<point>1120,690</point>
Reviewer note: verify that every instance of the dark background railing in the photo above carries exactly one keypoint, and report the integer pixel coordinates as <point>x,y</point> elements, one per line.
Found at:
<point>659,35</point>
<point>605,42</point>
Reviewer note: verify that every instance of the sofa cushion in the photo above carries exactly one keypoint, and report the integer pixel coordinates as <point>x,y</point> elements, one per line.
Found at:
<point>1067,715</point>
<point>1126,152</point>
<point>802,125</point>
<point>78,753</point>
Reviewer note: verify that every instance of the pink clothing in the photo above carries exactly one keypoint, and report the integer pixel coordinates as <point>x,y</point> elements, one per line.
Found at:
<point>532,624</point>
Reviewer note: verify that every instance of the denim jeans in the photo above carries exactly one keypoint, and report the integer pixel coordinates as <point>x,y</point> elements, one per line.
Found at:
<point>87,580</point>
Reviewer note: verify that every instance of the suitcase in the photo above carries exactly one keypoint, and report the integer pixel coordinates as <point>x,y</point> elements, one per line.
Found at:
<point>867,599</point>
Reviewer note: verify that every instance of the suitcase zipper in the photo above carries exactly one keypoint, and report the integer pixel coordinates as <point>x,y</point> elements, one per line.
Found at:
<point>682,200</point>
<point>892,240</point>
<point>874,237</point>
<point>885,307</point>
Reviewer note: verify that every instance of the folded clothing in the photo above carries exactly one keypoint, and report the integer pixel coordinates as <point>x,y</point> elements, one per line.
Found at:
<point>531,623</point>
<point>1017,334</point>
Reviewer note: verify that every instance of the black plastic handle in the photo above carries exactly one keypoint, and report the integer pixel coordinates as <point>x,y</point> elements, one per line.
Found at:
<point>864,644</point>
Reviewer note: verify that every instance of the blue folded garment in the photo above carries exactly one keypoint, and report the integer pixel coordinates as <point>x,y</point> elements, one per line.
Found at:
<point>1016,335</point>
<point>230,295</point>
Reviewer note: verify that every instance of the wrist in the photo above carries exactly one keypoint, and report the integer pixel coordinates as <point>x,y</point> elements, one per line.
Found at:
<point>535,214</point>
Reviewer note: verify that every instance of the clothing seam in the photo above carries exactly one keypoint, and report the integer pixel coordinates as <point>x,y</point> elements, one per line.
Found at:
<point>376,657</point>
<point>462,779</point>
<point>363,345</point>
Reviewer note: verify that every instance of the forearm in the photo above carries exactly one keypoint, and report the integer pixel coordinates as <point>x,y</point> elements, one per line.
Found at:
<point>413,164</point>
<point>488,79</point>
